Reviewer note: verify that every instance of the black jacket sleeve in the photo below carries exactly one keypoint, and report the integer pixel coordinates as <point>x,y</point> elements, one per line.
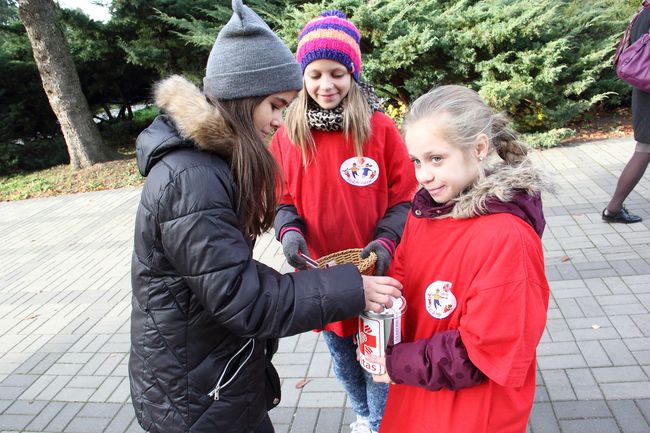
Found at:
<point>391,226</point>
<point>641,25</point>
<point>202,239</point>
<point>286,215</point>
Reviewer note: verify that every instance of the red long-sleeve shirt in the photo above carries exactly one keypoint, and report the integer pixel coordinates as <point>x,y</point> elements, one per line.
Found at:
<point>341,198</point>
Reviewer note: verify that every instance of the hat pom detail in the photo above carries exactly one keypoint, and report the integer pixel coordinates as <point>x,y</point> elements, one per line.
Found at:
<point>334,13</point>
<point>258,62</point>
<point>238,6</point>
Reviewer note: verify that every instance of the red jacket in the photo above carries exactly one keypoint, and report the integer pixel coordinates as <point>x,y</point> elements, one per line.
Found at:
<point>342,201</point>
<point>476,296</point>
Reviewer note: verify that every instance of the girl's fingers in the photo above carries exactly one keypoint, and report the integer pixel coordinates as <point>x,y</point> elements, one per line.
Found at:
<point>377,307</point>
<point>382,378</point>
<point>390,281</point>
<point>381,301</point>
<point>376,359</point>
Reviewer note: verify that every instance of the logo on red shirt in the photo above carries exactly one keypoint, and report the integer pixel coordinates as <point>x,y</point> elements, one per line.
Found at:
<point>439,300</point>
<point>359,171</point>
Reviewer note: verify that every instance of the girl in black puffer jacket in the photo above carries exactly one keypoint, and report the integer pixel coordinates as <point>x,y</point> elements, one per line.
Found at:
<point>204,313</point>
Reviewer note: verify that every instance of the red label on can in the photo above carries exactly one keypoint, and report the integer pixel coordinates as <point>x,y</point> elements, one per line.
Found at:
<point>371,342</point>
<point>375,330</point>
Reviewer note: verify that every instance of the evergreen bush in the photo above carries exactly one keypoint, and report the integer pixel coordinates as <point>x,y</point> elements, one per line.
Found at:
<point>544,63</point>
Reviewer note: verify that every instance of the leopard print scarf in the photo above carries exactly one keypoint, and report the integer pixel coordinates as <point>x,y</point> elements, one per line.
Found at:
<point>332,120</point>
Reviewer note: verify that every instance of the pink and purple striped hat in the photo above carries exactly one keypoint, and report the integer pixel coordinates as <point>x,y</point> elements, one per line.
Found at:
<point>330,36</point>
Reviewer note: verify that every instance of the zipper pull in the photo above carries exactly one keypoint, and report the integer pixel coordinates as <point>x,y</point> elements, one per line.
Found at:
<point>215,393</point>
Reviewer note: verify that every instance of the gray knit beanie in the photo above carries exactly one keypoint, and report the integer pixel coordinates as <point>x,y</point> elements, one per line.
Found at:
<point>248,59</point>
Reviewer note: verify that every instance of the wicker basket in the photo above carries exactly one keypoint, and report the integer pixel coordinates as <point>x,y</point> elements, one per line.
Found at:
<point>353,255</point>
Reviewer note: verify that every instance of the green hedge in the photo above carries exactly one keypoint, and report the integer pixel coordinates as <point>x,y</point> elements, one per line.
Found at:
<point>544,62</point>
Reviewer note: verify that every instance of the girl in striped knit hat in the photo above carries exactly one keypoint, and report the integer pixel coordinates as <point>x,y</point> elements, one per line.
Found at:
<point>347,183</point>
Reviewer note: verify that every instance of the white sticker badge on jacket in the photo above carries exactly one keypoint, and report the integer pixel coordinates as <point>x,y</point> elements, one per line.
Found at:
<point>359,171</point>
<point>439,299</point>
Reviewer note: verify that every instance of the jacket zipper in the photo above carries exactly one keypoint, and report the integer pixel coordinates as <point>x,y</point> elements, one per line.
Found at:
<point>219,387</point>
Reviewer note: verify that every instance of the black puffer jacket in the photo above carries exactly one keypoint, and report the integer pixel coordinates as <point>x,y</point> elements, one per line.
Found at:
<point>203,309</point>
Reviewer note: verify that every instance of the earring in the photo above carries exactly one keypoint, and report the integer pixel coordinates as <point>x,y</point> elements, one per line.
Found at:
<point>480,158</point>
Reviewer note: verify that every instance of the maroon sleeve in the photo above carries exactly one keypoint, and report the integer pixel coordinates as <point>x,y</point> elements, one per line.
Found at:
<point>435,363</point>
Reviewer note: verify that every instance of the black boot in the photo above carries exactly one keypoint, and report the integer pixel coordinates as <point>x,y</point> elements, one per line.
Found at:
<point>622,216</point>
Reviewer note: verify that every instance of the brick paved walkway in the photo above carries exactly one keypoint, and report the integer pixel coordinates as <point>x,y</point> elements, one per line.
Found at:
<point>65,303</point>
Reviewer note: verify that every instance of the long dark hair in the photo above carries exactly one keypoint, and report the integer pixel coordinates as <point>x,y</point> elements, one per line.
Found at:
<point>253,166</point>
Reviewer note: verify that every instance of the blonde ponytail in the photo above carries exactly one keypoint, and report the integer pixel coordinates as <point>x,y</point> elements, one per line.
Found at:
<point>506,141</point>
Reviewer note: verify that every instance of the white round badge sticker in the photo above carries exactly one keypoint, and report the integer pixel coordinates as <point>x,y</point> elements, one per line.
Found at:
<point>439,299</point>
<point>360,171</point>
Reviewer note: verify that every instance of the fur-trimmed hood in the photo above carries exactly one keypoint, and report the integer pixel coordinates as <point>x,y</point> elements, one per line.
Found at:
<point>188,119</point>
<point>505,189</point>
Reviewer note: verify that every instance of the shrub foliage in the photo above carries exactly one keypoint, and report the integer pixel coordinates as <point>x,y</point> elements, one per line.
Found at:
<point>545,62</point>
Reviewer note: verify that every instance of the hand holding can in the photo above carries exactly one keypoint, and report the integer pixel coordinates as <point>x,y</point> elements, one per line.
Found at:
<point>380,292</point>
<point>375,331</point>
<point>380,378</point>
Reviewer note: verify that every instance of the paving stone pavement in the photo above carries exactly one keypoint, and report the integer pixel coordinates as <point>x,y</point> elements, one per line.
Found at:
<point>65,305</point>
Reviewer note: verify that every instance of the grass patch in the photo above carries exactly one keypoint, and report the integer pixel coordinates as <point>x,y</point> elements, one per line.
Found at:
<point>64,180</point>
<point>39,167</point>
<point>121,173</point>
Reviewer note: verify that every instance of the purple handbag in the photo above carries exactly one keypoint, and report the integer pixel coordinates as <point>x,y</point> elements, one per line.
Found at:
<point>632,62</point>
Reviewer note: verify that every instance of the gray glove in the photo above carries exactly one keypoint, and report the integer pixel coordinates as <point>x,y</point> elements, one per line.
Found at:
<point>294,242</point>
<point>383,256</point>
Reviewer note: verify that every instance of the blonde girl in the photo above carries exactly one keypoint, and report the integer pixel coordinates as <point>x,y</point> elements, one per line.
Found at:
<point>347,182</point>
<point>472,266</point>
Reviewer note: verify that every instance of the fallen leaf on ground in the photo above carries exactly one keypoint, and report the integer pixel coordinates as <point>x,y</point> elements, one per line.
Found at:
<point>565,259</point>
<point>302,382</point>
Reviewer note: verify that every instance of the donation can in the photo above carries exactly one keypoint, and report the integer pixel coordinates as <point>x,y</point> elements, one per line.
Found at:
<point>375,330</point>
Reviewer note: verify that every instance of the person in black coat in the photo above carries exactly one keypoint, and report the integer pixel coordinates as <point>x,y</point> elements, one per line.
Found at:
<point>615,212</point>
<point>206,315</point>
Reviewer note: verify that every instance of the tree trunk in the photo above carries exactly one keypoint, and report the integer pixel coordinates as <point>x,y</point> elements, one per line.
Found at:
<point>61,83</point>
